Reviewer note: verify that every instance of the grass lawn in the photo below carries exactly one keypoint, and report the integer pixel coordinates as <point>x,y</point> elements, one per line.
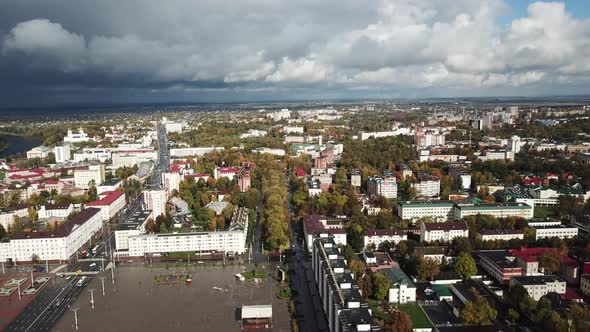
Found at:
<point>256,274</point>
<point>418,316</point>
<point>545,211</point>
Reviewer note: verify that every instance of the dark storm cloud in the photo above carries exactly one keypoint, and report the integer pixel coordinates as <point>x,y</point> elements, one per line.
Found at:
<point>261,48</point>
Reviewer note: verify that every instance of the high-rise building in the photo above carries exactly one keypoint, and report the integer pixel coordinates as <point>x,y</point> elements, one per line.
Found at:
<point>62,153</point>
<point>94,173</point>
<point>171,182</point>
<point>383,186</point>
<point>155,200</point>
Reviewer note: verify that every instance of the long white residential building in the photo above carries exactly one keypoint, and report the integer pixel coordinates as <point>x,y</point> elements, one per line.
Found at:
<point>560,231</point>
<point>378,236</point>
<point>128,158</point>
<point>437,210</point>
<point>232,241</point>
<point>60,244</point>
<point>443,231</point>
<point>93,154</point>
<point>186,152</point>
<point>498,210</point>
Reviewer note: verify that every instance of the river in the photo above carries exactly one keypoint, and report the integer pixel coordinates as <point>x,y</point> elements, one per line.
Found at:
<point>17,144</point>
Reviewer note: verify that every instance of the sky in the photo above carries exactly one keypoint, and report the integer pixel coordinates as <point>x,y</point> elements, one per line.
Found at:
<point>142,51</point>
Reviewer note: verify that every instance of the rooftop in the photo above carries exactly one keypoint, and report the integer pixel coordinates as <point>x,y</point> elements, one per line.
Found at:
<point>62,231</point>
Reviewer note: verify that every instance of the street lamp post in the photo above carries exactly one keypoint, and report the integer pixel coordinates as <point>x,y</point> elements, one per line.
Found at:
<point>102,280</point>
<point>75,310</point>
<point>91,290</point>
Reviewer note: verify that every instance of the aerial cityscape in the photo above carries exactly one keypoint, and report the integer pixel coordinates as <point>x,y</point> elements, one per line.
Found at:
<point>329,166</point>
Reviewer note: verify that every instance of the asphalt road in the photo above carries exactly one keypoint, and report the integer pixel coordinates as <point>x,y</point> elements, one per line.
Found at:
<point>308,307</point>
<point>44,312</point>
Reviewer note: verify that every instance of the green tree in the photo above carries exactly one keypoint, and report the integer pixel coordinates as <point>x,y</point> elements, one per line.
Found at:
<point>426,268</point>
<point>366,285</point>
<point>357,267</point>
<point>32,214</point>
<point>465,265</point>
<point>380,286</point>
<point>549,261</point>
<point>163,228</point>
<point>478,312</point>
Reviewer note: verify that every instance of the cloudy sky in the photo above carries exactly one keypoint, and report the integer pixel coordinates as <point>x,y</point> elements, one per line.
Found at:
<point>111,51</point>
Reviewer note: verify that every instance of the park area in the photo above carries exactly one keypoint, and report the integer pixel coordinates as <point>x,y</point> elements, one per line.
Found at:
<point>10,304</point>
<point>210,303</point>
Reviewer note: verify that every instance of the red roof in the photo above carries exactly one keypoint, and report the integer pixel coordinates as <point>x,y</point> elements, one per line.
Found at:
<point>445,226</point>
<point>108,199</point>
<point>300,172</point>
<point>530,255</point>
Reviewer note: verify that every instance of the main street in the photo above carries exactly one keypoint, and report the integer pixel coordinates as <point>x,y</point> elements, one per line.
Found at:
<point>308,307</point>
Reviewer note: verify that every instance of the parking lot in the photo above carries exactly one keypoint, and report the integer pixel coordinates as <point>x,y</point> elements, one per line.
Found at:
<point>137,303</point>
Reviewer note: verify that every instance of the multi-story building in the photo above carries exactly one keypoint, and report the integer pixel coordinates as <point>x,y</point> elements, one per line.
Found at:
<point>528,258</point>
<point>8,215</point>
<point>226,172</point>
<point>47,211</point>
<point>316,224</point>
<point>62,153</point>
<point>339,294</point>
<point>109,185</point>
<point>110,203</point>
<point>462,175</point>
<point>500,265</point>
<point>382,186</point>
<point>134,225</point>
<point>499,234</point>
<point>436,210</point>
<point>155,200</point>
<point>171,182</point>
<point>427,185</point>
<point>293,130</point>
<point>93,154</point>
<point>254,133</point>
<point>424,138</point>
<point>405,171</point>
<point>129,158</point>
<point>443,231</point>
<point>232,241</point>
<point>59,244</point>
<point>401,288</point>
<point>561,231</point>
<point>538,286</point>
<point>498,210</point>
<point>84,177</point>
<point>244,179</point>
<point>39,152</point>
<point>377,236</point>
<point>78,137</point>
<point>355,178</point>
<point>193,151</point>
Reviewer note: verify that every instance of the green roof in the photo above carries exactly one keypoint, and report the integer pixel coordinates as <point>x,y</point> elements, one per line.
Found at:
<point>520,206</point>
<point>418,317</point>
<point>441,290</point>
<point>424,203</point>
<point>396,276</point>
